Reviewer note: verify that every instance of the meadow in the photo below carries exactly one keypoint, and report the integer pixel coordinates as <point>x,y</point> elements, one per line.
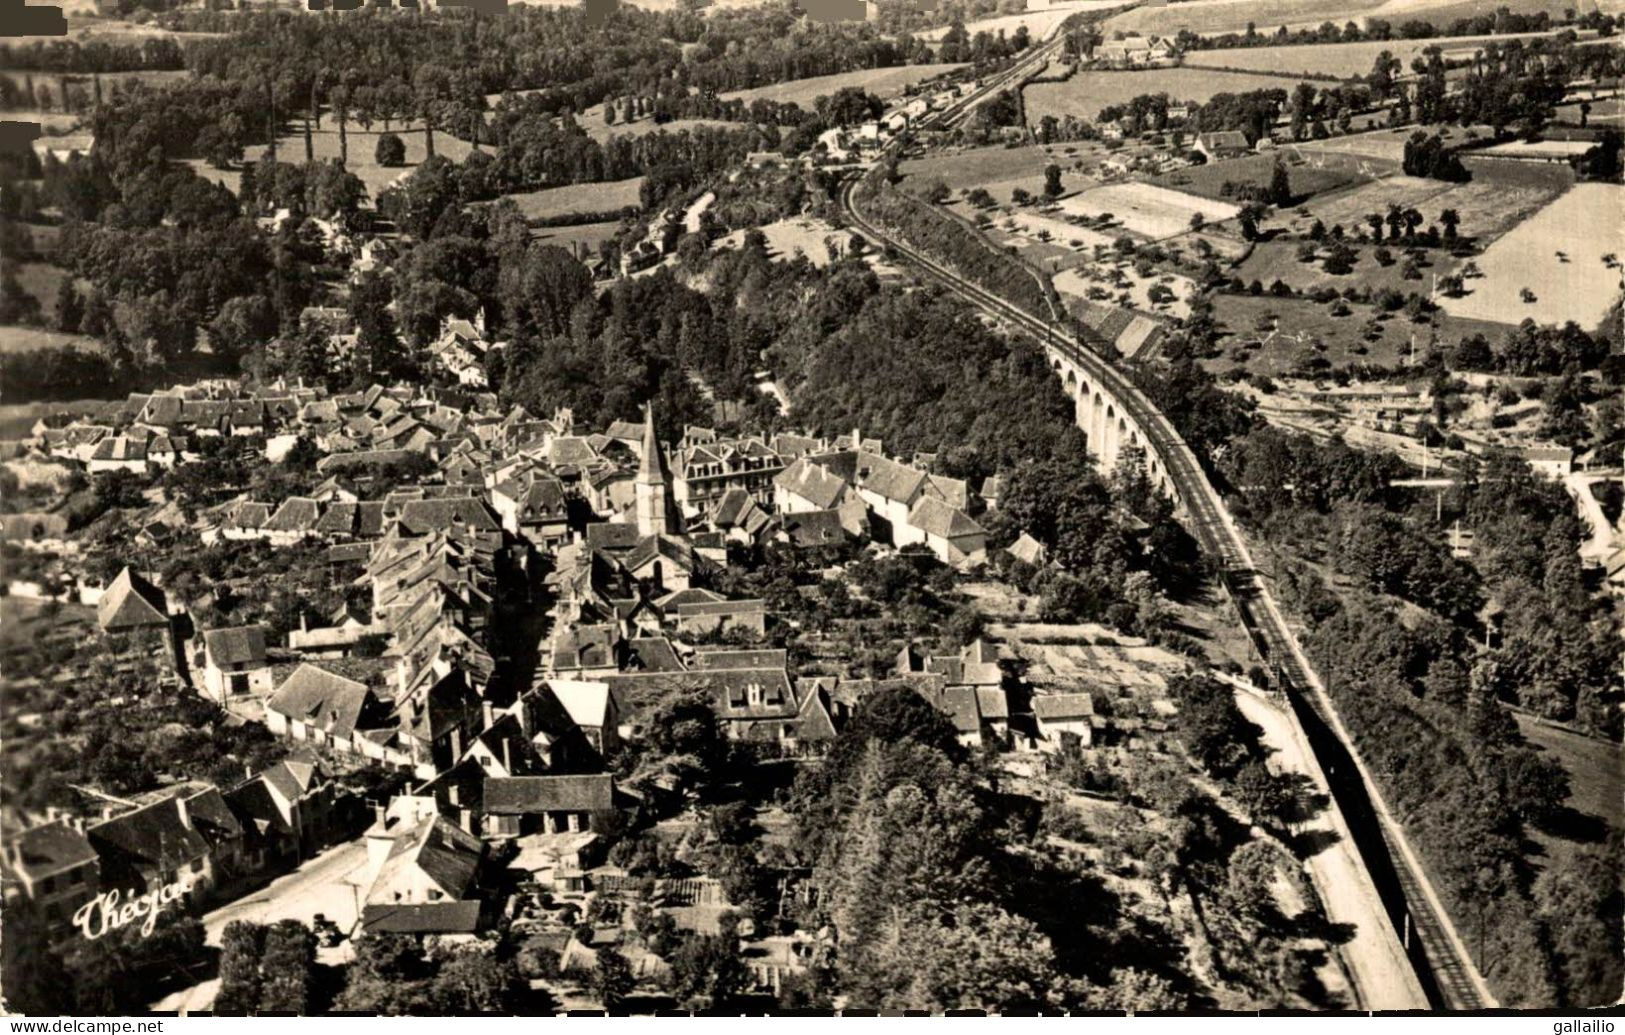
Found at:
<point>1214,17</point>
<point>884,83</point>
<point>998,169</point>
<point>1487,209</point>
<point>362,144</point>
<point>1557,253</point>
<point>56,85</point>
<point>609,196</point>
<point>1086,93</point>
<point>1040,24</point>
<point>587,235</point>
<point>1208,181</point>
<point>1348,60</point>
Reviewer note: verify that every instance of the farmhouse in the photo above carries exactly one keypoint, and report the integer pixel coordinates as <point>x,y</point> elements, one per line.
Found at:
<point>1059,716</point>
<point>1226,144</point>
<point>234,663</point>
<point>1551,462</point>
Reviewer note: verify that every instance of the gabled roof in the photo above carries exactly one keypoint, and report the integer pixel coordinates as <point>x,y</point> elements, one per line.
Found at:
<point>447,856</point>
<point>812,482</point>
<point>725,660</point>
<point>120,448</point>
<point>533,795</point>
<point>420,517</point>
<point>1063,707</point>
<point>296,514</point>
<point>612,535</point>
<point>242,645</point>
<point>934,517</point>
<point>131,602</point>
<point>322,699</point>
<point>888,478</point>
<point>49,849</point>
<point>662,547</point>
<point>461,917</point>
<point>587,701</point>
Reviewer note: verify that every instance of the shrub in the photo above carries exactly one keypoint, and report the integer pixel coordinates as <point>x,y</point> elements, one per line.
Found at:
<point>390,152</point>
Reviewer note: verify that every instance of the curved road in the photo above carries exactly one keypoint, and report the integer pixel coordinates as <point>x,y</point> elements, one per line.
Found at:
<point>1442,959</point>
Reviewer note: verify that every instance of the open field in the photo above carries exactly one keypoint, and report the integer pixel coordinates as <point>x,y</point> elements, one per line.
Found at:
<point>1350,207</point>
<point>1596,768</point>
<point>325,146</point>
<point>1219,16</point>
<point>1289,329</point>
<point>1383,145</point>
<point>1278,260</point>
<point>22,339</point>
<point>786,237</point>
<point>999,169</point>
<point>1605,110</point>
<point>1040,24</point>
<point>1209,180</point>
<point>1487,209</point>
<point>1086,93</point>
<point>578,197</point>
<point>84,29</point>
<point>1443,12</point>
<point>56,84</point>
<point>884,83</point>
<point>1339,59</point>
<point>42,280</point>
<point>1146,209</point>
<point>1222,16</point>
<point>592,120</point>
<point>1556,253</point>
<point>51,123</point>
<point>587,235</point>
<point>1077,281</point>
<point>17,418</point>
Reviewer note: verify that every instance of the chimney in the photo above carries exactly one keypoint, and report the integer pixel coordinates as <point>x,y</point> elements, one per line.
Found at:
<point>454,794</point>
<point>186,814</point>
<point>457,743</point>
<point>507,754</point>
<point>489,713</point>
<point>465,819</point>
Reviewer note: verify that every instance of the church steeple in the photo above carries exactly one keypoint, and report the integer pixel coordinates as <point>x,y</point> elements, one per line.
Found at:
<point>653,482</point>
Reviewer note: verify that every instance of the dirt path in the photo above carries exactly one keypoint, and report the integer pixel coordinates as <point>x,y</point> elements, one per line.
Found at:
<point>1382,976</point>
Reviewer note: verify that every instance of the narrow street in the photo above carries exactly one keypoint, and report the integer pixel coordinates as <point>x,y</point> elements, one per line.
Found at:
<point>322,885</point>
<point>1376,961</point>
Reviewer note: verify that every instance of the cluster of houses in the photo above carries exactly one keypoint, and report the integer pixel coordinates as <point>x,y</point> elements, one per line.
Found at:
<point>1136,52</point>
<point>631,534</point>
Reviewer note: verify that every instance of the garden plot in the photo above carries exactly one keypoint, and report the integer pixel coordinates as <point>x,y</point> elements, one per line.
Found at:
<point>1077,282</point>
<point>1148,210</point>
<point>1557,255</point>
<point>1061,232</point>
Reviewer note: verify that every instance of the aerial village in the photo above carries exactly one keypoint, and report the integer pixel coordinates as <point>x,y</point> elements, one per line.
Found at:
<point>498,702</point>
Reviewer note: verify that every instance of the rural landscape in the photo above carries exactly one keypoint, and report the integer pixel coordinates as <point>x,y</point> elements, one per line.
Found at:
<point>757,507</point>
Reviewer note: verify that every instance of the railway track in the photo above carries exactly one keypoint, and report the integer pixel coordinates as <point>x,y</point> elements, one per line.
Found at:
<point>1437,952</point>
